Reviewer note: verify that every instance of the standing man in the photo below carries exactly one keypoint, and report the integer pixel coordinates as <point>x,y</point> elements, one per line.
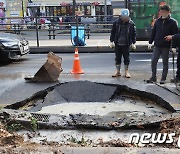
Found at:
<point>176,39</point>
<point>123,35</point>
<point>165,25</point>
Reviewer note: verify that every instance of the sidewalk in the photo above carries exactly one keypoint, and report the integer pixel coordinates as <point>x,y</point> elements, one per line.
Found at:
<point>65,46</point>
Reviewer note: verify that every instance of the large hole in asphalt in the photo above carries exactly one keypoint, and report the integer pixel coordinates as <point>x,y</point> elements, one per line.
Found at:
<point>87,111</point>
<point>85,97</point>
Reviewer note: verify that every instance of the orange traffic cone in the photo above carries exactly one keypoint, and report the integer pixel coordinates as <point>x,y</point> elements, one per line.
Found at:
<point>77,66</point>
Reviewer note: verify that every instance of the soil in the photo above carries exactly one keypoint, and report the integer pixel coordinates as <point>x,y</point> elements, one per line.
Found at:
<point>11,140</point>
<point>8,138</point>
<point>171,126</point>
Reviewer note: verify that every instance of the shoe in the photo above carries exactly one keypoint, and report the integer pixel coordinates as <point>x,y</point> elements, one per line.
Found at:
<point>152,80</point>
<point>127,75</point>
<point>118,71</point>
<point>175,80</point>
<point>162,81</point>
<point>117,74</point>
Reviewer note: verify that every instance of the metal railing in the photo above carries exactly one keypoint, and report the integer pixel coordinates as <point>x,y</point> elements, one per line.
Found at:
<point>57,25</point>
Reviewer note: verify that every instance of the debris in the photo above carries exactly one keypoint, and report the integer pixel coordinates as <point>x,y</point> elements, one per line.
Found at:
<point>140,127</point>
<point>7,138</point>
<point>115,143</point>
<point>50,71</point>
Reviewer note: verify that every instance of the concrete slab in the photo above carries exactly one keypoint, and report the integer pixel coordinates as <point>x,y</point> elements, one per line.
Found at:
<point>125,120</point>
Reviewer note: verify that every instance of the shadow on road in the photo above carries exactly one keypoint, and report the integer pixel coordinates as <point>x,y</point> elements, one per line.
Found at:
<point>7,62</point>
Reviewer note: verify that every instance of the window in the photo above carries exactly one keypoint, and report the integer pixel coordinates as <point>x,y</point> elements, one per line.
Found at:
<point>109,10</point>
<point>70,10</point>
<point>63,10</point>
<point>51,11</point>
<point>87,9</point>
<point>98,10</point>
<point>47,11</point>
<point>58,9</point>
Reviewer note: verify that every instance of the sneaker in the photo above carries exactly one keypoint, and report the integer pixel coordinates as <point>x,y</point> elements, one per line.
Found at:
<point>152,80</point>
<point>162,81</point>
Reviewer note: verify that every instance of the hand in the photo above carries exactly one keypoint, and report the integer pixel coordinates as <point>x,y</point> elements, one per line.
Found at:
<point>150,46</point>
<point>168,38</point>
<point>173,50</point>
<point>133,46</point>
<point>111,45</point>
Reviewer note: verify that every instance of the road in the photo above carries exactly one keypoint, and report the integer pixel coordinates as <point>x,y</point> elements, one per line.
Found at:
<point>96,65</point>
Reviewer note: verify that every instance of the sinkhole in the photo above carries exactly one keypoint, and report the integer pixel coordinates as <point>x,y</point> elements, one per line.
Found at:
<point>89,110</point>
<point>85,97</point>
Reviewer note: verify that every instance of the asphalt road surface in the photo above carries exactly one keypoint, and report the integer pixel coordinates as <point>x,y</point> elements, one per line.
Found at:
<point>13,87</point>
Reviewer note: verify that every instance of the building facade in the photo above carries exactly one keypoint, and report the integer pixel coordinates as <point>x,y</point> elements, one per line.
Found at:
<point>62,8</point>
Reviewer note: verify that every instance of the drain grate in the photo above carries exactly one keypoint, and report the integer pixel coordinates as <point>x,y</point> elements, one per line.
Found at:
<point>41,117</point>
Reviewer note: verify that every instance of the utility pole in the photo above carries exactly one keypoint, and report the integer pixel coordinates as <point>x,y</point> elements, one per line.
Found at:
<point>22,6</point>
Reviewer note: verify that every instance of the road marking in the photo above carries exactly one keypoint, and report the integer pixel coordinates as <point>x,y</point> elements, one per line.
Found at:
<point>144,60</point>
<point>160,60</point>
<point>170,69</point>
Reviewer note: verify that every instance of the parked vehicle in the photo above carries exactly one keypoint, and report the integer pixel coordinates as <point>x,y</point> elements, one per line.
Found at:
<point>12,46</point>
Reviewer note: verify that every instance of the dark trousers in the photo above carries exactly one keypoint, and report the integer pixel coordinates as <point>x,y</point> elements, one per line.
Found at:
<point>178,66</point>
<point>164,53</point>
<point>122,51</point>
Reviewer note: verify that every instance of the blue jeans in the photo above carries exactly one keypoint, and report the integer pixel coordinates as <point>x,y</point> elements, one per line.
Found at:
<point>164,53</point>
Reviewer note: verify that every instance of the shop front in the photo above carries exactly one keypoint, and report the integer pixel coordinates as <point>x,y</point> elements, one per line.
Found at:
<point>61,8</point>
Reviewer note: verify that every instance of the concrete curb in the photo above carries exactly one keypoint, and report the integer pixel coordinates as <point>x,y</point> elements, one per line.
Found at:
<point>86,49</point>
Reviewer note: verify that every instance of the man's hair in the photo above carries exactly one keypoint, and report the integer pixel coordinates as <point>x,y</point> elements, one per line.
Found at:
<point>165,7</point>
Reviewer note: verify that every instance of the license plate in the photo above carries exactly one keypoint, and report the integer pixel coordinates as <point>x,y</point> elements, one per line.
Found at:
<point>26,48</point>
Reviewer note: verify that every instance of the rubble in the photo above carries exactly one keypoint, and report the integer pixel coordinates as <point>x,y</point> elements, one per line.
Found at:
<point>9,139</point>
<point>27,113</point>
<point>50,71</point>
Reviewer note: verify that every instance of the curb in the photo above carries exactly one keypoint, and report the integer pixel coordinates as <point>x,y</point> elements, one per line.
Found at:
<point>86,49</point>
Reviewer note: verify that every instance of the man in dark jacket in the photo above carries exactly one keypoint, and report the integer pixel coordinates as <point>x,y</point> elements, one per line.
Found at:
<point>176,40</point>
<point>163,26</point>
<point>123,35</point>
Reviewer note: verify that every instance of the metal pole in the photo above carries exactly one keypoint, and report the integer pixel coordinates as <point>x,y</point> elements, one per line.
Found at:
<point>37,33</point>
<point>77,30</point>
<point>74,9</point>
<point>22,8</point>
<point>126,4</point>
<point>105,10</point>
<point>173,56</point>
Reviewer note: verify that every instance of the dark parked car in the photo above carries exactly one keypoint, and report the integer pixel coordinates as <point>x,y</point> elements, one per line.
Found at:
<point>12,46</point>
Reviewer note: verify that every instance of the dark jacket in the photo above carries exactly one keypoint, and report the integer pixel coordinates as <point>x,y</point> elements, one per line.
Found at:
<point>162,28</point>
<point>131,32</point>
